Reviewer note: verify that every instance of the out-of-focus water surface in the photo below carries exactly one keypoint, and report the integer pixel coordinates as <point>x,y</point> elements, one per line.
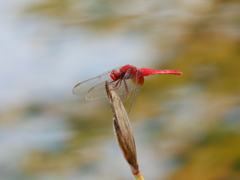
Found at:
<point>185,127</point>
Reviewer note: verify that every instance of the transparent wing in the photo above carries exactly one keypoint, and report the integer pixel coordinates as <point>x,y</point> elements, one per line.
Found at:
<point>135,82</point>
<point>134,93</point>
<point>126,89</point>
<point>91,86</point>
<point>97,91</point>
<point>123,90</point>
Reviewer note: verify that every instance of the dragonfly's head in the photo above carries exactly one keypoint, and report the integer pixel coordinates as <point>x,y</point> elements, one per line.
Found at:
<point>115,75</point>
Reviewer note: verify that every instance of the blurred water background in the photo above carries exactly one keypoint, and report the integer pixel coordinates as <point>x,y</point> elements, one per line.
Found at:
<point>185,127</point>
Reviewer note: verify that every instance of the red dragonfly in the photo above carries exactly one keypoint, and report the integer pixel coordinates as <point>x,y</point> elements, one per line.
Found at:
<point>126,80</point>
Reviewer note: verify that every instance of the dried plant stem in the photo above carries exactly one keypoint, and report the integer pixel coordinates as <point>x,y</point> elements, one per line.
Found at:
<point>139,176</point>
<point>123,131</point>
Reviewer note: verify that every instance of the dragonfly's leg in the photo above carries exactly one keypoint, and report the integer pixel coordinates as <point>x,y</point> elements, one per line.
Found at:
<point>116,85</point>
<point>112,81</point>
<point>126,87</point>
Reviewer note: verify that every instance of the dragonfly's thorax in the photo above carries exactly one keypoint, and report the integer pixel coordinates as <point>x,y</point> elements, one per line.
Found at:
<point>126,68</point>
<point>128,71</point>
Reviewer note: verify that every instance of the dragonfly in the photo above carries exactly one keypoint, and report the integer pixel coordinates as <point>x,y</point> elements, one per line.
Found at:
<point>125,80</point>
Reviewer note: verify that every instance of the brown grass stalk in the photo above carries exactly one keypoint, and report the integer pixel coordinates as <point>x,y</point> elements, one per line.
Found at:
<point>123,131</point>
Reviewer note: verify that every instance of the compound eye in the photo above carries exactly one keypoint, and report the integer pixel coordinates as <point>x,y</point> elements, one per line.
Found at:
<point>115,75</point>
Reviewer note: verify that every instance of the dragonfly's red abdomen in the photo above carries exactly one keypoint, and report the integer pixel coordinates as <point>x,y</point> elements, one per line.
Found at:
<point>147,72</point>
